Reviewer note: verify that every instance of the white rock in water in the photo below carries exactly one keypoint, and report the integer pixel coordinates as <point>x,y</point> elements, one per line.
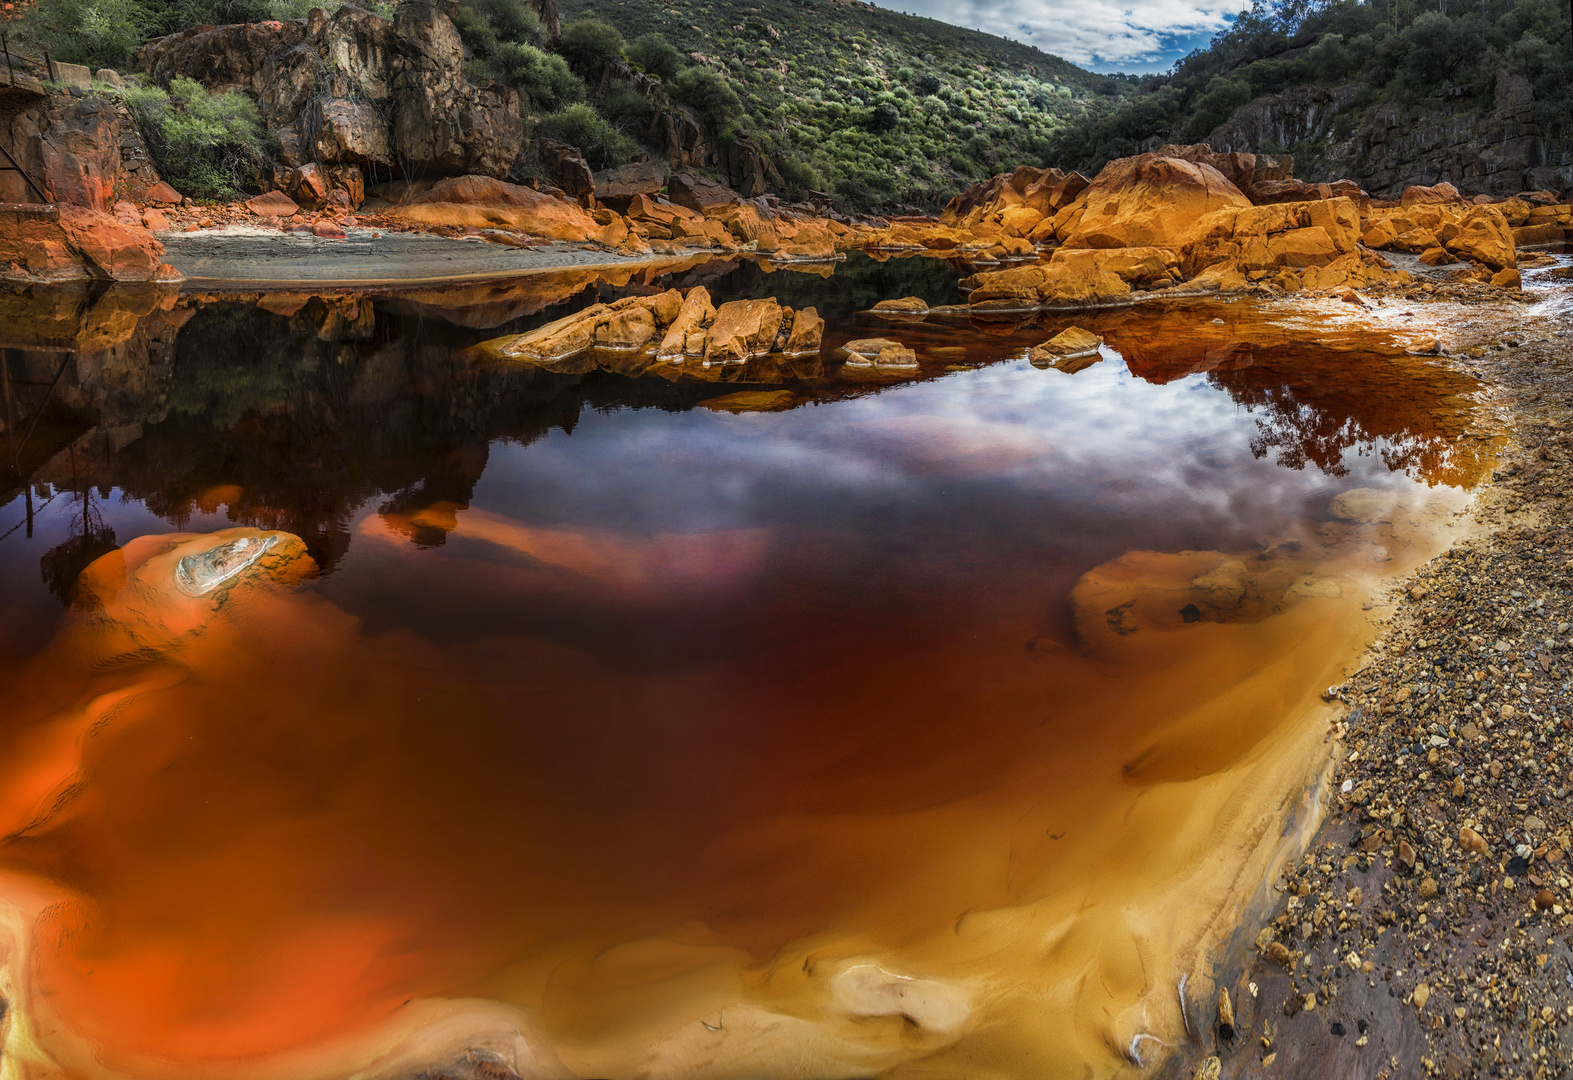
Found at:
<point>201,573</point>
<point>870,990</point>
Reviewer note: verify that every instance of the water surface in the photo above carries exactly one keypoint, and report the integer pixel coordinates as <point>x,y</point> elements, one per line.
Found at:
<point>667,739</point>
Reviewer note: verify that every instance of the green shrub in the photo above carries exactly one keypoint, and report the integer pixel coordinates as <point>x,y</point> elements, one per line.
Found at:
<point>627,108</point>
<point>542,77</point>
<point>206,145</point>
<point>100,33</point>
<point>711,96</point>
<point>656,55</point>
<point>486,26</point>
<point>589,45</point>
<point>603,145</point>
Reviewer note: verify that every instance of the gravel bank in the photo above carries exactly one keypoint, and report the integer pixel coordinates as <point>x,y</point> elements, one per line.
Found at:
<point>1426,931</point>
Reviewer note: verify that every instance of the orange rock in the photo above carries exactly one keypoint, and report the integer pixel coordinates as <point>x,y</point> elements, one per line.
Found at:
<point>1146,200</point>
<point>1380,234</point>
<point>161,194</point>
<point>626,330</point>
<point>1416,240</point>
<point>1529,235</point>
<point>480,201</point>
<point>1507,279</point>
<point>1020,220</point>
<point>907,305</point>
<point>806,334</point>
<point>66,243</point>
<point>1050,287</point>
<point>273,204</point>
<point>1136,266</point>
<point>1485,237</point>
<point>1441,193</point>
<point>1437,256</point>
<point>154,220</point>
<point>695,312</point>
<point>742,329</point>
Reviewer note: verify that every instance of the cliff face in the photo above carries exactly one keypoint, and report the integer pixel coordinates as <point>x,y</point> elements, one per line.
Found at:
<point>1496,150</point>
<point>355,92</point>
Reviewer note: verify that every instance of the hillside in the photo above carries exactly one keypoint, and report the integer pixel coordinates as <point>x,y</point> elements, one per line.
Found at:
<point>884,109</point>
<point>1388,93</point>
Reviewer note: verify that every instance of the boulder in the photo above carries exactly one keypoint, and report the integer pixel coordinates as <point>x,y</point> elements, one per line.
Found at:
<point>1266,192</point>
<point>566,167</point>
<point>273,204</point>
<point>1272,237</point>
<point>1484,237</point>
<point>626,330</point>
<point>1437,256</point>
<point>1439,193</point>
<point>161,194</point>
<point>742,329</point>
<point>352,131</point>
<point>1534,235</point>
<point>615,187</point>
<point>1507,279</point>
<point>695,313</point>
<point>57,243</point>
<point>907,305</point>
<point>480,202</point>
<point>1135,266</point>
<point>750,171</point>
<point>1071,342</point>
<point>861,352</point>
<point>1047,288</point>
<point>1148,200</point>
<point>1239,168</point>
<point>308,186</point>
<point>698,192</point>
<point>805,335</point>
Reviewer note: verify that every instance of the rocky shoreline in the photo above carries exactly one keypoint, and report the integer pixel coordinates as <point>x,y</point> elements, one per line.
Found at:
<point>1425,930</point>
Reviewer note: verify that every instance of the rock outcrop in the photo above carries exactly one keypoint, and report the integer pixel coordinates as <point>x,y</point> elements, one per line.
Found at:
<point>52,244</point>
<point>481,202</point>
<point>1147,200</point>
<point>354,93</point>
<point>1496,150</point>
<point>676,328</point>
<point>70,146</point>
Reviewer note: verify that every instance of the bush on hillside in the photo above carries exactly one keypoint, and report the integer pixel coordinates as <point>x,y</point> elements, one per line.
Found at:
<point>542,77</point>
<point>589,45</point>
<point>486,26</point>
<point>711,96</point>
<point>656,55</point>
<point>603,145</point>
<point>209,146</point>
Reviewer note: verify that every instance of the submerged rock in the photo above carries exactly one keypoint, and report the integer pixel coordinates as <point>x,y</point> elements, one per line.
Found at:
<point>204,571</point>
<point>1068,344</point>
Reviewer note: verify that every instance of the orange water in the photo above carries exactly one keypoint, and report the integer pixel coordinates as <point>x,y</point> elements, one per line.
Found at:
<point>622,728</point>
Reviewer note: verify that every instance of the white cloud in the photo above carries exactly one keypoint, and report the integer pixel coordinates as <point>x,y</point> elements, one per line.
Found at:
<point>1105,32</point>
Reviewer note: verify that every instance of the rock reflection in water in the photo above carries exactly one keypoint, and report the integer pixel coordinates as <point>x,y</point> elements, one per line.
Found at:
<point>716,741</point>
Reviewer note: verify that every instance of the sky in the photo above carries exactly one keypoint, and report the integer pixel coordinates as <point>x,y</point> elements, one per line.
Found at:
<point>1104,35</point>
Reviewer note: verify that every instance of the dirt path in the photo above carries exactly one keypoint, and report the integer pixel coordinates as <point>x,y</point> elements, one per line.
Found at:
<point>1427,929</point>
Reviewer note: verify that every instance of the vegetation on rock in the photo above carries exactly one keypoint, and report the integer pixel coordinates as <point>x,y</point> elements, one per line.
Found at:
<point>207,145</point>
